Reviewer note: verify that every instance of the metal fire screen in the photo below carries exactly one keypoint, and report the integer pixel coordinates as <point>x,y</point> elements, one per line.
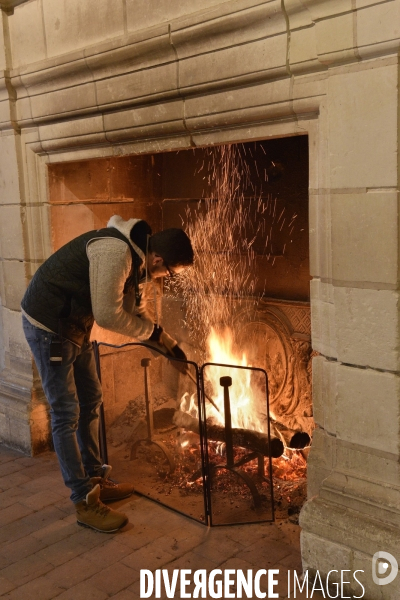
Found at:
<point>195,439</point>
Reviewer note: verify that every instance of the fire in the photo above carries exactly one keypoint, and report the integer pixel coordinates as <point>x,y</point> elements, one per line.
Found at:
<point>246,408</point>
<point>221,349</point>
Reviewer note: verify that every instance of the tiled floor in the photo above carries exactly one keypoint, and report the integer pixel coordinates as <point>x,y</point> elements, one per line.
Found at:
<point>44,554</point>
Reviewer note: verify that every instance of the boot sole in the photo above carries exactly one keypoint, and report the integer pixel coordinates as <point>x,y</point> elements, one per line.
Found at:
<point>115,499</point>
<point>102,530</point>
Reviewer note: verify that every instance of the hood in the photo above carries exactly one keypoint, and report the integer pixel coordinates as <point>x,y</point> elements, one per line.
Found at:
<point>125,227</point>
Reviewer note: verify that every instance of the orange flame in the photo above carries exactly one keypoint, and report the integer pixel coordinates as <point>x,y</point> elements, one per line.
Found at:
<point>220,349</point>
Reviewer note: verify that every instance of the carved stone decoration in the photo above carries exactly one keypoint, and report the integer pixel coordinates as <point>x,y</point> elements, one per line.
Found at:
<point>277,338</point>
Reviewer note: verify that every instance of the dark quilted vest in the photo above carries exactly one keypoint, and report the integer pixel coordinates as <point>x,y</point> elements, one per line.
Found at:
<point>58,295</point>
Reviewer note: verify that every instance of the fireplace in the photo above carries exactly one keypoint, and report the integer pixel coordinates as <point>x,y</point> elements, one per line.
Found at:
<point>249,289</point>
<point>116,81</point>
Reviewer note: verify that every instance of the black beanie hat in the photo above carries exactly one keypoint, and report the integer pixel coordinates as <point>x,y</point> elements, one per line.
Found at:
<point>174,246</point>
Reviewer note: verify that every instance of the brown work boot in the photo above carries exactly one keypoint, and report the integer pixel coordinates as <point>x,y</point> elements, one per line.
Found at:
<point>94,514</point>
<point>109,489</point>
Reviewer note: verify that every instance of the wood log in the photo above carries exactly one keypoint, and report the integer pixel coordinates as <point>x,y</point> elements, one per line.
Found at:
<point>245,438</point>
<point>297,440</point>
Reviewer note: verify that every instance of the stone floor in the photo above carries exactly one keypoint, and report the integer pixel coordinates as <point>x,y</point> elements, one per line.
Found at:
<point>44,553</point>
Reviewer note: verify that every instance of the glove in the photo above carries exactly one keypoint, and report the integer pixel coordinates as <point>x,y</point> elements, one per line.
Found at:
<point>156,335</point>
<point>177,352</point>
<point>167,341</point>
<point>174,351</point>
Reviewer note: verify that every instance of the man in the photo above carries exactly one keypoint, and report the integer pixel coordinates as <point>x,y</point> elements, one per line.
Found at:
<point>97,276</point>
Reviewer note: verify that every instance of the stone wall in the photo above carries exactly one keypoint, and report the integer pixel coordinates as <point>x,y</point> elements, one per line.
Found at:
<point>110,78</point>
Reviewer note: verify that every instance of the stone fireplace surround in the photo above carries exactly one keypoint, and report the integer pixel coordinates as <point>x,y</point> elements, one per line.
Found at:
<point>111,78</point>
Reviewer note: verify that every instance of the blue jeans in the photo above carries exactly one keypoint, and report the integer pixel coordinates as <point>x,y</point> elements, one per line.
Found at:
<point>73,391</point>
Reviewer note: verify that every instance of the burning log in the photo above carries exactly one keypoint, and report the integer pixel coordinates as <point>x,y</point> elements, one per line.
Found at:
<point>293,439</point>
<point>245,438</point>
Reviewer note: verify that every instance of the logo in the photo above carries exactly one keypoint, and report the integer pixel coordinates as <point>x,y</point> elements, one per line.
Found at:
<point>381,561</point>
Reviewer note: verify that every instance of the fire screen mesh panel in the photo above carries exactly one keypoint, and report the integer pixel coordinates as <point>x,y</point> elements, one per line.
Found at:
<point>204,452</point>
<point>238,444</point>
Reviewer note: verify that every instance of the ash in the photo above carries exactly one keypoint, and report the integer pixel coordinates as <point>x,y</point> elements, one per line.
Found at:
<point>183,488</point>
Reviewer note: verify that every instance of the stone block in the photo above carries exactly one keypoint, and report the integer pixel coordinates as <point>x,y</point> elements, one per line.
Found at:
<point>143,116</point>
<point>320,554</point>
<point>361,494</point>
<point>324,393</point>
<point>265,58</point>
<point>4,425</point>
<point>147,83</point>
<point>3,61</point>
<point>25,47</point>
<point>245,116</point>
<point>367,327</point>
<point>37,243</point>
<point>360,156</point>
<point>365,3</point>
<point>368,408</point>
<point>376,26</point>
<point>298,16</point>
<point>142,14</point>
<point>310,85</point>
<point>359,536</point>
<point>367,464</point>
<point>321,460</point>
<point>323,331</point>
<point>265,99</point>
<point>303,49</point>
<point>2,289</point>
<point>227,27</point>
<point>365,237</point>
<point>5,115</point>
<point>14,340</point>
<point>24,110</point>
<point>53,75</point>
<point>245,131</point>
<point>335,38</point>
<point>71,24</point>
<point>319,159</point>
<point>143,121</point>
<point>60,144</point>
<point>142,50</point>
<point>9,182</point>
<point>11,232</point>
<point>326,9</point>
<point>63,102</point>
<point>320,235</point>
<point>35,170</point>
<point>2,348</point>
<point>72,128</point>
<point>14,283</point>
